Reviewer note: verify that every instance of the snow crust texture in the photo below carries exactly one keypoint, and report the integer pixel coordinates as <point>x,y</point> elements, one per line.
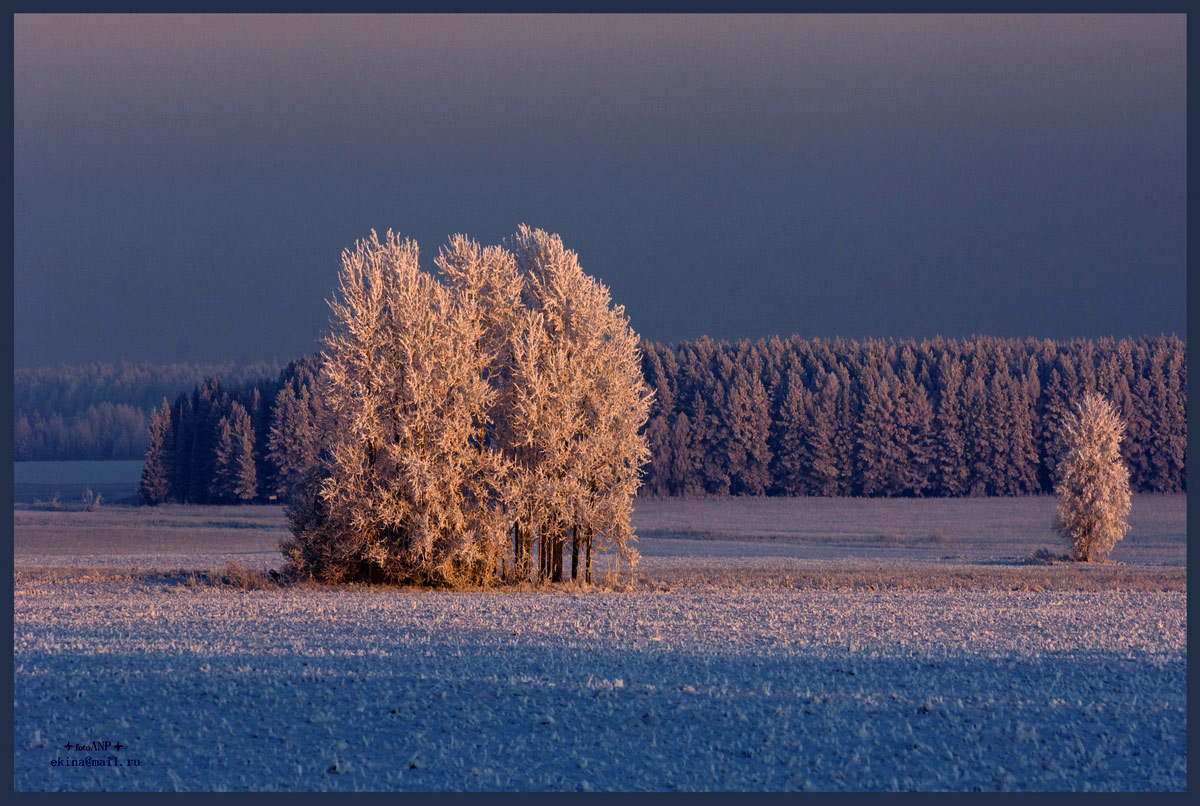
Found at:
<point>713,688</point>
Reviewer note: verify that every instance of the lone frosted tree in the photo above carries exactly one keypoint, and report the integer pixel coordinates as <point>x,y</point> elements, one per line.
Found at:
<point>1093,480</point>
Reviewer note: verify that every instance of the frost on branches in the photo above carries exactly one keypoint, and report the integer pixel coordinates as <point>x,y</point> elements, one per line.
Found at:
<point>1093,480</point>
<point>481,422</point>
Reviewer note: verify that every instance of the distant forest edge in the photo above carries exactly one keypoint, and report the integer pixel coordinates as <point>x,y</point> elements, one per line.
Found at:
<point>101,411</point>
<point>939,417</point>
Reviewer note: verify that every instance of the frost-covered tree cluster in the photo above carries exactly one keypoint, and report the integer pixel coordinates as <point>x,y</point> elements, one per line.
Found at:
<point>1093,482</point>
<point>481,421</point>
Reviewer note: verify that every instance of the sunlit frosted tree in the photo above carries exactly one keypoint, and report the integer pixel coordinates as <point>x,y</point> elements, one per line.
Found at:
<point>1093,482</point>
<point>407,398</point>
<point>501,397</point>
<point>579,402</point>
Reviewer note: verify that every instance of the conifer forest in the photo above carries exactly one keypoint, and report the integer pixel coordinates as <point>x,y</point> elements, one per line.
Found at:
<point>939,417</point>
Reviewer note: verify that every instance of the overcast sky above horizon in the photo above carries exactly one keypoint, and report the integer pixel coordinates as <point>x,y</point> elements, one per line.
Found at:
<point>184,185</point>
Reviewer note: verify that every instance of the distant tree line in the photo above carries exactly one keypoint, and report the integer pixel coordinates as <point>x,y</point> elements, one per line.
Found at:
<point>100,410</point>
<point>102,431</point>
<point>235,444</point>
<point>939,417</point>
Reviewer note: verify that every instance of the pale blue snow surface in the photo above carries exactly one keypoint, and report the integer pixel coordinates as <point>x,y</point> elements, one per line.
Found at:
<point>732,689</point>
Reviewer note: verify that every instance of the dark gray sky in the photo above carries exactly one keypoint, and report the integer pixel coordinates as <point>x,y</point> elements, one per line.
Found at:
<point>184,185</point>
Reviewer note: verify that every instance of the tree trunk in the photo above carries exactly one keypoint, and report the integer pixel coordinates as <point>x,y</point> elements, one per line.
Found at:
<point>516,550</point>
<point>556,556</point>
<point>524,549</point>
<point>575,552</point>
<point>543,553</point>
<point>526,553</point>
<point>588,562</point>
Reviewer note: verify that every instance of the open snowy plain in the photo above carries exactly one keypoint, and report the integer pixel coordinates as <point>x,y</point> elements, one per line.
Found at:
<point>768,644</point>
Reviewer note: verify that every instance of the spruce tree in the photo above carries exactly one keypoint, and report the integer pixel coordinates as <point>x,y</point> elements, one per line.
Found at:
<point>155,486</point>
<point>978,450</point>
<point>244,487</point>
<point>951,471</point>
<point>876,442</point>
<point>745,431</point>
<point>223,480</point>
<point>1173,423</point>
<point>914,416</point>
<point>790,466</point>
<point>683,478</point>
<point>286,440</point>
<point>658,439</point>
<point>181,426</point>
<point>823,468</point>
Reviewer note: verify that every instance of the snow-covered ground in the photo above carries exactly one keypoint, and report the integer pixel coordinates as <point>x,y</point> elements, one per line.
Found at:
<point>961,530</point>
<point>757,667</point>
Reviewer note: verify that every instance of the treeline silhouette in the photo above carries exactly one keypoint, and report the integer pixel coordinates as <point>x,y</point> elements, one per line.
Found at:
<point>939,417</point>
<point>236,443</point>
<point>100,411</point>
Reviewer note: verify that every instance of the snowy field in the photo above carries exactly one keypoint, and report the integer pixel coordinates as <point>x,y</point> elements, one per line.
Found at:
<point>769,645</point>
<point>117,481</point>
